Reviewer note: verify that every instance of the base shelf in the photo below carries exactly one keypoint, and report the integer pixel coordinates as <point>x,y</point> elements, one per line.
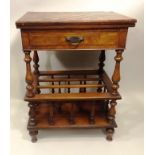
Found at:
<point>61,120</point>
<point>72,97</point>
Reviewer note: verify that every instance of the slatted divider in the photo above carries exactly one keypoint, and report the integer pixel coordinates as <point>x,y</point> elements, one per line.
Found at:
<point>83,81</point>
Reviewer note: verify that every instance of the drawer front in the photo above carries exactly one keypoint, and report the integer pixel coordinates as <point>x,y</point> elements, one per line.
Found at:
<point>88,39</point>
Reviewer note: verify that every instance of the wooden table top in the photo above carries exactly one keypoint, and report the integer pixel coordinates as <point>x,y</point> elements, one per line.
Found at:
<point>33,19</point>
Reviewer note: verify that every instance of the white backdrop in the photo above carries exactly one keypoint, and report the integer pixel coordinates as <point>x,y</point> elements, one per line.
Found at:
<point>131,84</point>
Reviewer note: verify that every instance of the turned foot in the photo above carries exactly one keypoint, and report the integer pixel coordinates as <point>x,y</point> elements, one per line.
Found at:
<point>109,134</point>
<point>33,134</point>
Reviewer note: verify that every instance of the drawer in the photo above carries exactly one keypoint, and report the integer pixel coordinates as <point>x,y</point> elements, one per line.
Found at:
<point>65,39</point>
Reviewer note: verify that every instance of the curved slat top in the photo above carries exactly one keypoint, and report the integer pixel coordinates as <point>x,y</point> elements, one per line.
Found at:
<point>50,19</point>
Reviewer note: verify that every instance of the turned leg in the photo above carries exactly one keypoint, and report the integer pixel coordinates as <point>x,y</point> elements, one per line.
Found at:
<point>111,118</point>
<point>33,133</point>
<point>101,65</point>
<point>109,133</point>
<point>106,107</point>
<point>36,71</point>
<point>32,121</point>
<point>116,75</point>
<point>29,77</point>
<point>112,111</point>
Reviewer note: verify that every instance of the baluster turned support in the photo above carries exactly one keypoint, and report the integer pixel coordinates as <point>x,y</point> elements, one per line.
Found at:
<point>72,114</point>
<point>116,75</point>
<point>59,88</point>
<point>51,114</point>
<point>115,79</point>
<point>68,83</point>
<point>111,112</point>
<point>53,91</point>
<point>29,76</point>
<point>92,114</point>
<point>101,65</point>
<point>80,89</point>
<point>84,89</point>
<point>36,70</point>
<point>32,121</point>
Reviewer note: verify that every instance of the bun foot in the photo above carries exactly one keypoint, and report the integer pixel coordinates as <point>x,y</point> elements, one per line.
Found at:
<point>109,134</point>
<point>34,139</point>
<point>33,134</point>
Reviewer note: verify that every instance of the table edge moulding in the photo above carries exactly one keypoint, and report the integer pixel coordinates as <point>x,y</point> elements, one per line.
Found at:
<point>73,98</point>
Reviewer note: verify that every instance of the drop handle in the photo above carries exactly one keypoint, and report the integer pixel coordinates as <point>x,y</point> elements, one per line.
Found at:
<point>74,40</point>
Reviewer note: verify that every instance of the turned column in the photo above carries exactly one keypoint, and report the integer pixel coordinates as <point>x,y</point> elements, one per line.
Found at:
<point>101,65</point>
<point>115,85</point>
<point>36,70</point>
<point>72,114</point>
<point>32,121</point>
<point>29,76</point>
<point>115,80</point>
<point>51,114</point>
<point>112,111</point>
<point>116,75</point>
<point>92,113</point>
<point>111,118</point>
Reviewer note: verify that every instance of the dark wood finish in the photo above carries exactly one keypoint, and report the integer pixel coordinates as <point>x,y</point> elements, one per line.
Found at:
<point>51,114</point>
<point>109,133</point>
<point>52,83</point>
<point>32,121</point>
<point>92,114</point>
<point>101,65</point>
<point>72,114</point>
<point>73,98</point>
<point>36,70</point>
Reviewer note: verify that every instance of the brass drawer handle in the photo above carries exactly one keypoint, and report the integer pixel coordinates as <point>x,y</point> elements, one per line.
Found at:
<point>74,40</point>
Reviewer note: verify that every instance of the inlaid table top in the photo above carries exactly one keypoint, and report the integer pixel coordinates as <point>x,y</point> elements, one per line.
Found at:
<point>32,19</point>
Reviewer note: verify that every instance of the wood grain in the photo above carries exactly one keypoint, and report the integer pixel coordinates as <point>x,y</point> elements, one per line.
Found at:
<point>56,20</point>
<point>72,97</point>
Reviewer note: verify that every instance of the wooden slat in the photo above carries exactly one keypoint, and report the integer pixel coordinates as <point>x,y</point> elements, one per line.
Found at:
<point>68,84</point>
<point>59,87</point>
<point>67,79</point>
<point>71,86</point>
<point>107,81</point>
<point>72,97</point>
<point>52,83</point>
<point>70,72</point>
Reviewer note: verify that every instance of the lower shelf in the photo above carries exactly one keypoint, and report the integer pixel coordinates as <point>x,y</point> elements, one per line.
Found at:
<point>80,122</point>
<point>72,97</point>
<point>61,120</point>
